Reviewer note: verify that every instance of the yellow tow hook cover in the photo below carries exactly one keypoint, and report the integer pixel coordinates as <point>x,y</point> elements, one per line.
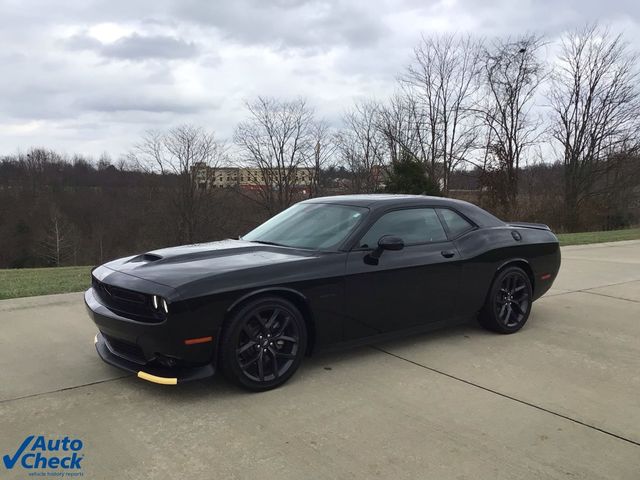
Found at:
<point>161,380</point>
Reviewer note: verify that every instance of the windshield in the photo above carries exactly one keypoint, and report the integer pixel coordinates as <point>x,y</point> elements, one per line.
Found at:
<point>309,225</point>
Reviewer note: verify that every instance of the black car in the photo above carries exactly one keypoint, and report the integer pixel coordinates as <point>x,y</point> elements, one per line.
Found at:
<point>326,272</point>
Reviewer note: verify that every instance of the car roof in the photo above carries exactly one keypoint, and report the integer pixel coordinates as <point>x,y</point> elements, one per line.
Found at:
<point>370,199</point>
<point>376,201</point>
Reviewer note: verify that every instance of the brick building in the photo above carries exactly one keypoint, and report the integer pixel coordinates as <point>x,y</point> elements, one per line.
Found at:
<point>242,177</point>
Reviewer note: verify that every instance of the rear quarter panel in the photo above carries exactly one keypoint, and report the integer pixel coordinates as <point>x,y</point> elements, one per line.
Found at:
<point>484,251</point>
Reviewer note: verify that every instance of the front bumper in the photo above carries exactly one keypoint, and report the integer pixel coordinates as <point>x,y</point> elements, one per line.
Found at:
<point>150,372</point>
<point>156,352</point>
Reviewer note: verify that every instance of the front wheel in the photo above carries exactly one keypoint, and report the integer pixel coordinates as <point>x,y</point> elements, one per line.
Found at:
<point>263,344</point>
<point>508,304</point>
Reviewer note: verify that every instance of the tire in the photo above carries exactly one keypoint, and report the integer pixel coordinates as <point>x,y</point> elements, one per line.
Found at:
<point>508,303</point>
<point>263,344</point>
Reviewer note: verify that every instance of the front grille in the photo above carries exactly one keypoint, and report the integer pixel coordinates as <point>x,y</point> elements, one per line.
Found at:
<point>126,303</point>
<point>129,351</point>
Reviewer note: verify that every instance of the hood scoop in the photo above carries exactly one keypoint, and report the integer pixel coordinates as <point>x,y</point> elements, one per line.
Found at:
<point>146,257</point>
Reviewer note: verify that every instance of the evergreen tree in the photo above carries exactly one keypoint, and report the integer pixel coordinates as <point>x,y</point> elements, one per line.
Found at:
<point>408,176</point>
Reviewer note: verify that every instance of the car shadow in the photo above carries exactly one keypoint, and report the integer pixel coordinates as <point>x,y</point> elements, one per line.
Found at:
<point>322,363</point>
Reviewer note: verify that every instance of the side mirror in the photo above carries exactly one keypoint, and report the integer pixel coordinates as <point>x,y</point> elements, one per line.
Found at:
<point>387,242</point>
<point>390,242</point>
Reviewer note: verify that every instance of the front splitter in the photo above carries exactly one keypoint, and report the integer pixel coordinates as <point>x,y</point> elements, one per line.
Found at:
<point>152,373</point>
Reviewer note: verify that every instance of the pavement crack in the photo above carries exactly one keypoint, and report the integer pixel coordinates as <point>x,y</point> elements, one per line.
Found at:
<point>509,397</point>
<point>609,285</point>
<point>32,395</point>
<point>609,296</point>
<point>588,290</point>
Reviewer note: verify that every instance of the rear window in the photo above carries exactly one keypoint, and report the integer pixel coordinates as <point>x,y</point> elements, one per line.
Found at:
<point>456,224</point>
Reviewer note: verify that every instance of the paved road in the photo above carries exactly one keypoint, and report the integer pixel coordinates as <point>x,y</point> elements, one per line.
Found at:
<point>560,399</point>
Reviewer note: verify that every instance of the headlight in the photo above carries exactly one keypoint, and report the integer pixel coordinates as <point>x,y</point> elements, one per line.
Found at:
<point>159,303</point>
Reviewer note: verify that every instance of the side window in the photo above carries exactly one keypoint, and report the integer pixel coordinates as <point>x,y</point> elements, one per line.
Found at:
<point>455,223</point>
<point>415,225</point>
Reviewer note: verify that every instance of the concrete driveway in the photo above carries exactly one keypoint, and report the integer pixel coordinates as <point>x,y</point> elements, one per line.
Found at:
<point>560,399</point>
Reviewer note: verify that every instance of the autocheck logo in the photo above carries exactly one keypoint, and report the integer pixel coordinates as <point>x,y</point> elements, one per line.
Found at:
<point>60,456</point>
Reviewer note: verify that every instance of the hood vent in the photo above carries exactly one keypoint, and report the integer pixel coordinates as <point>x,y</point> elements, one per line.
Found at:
<point>146,257</point>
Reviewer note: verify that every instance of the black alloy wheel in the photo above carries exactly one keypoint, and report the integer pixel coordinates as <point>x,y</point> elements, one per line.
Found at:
<point>509,301</point>
<point>512,300</point>
<point>264,344</point>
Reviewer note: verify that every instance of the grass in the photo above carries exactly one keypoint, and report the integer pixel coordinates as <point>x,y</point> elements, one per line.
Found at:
<point>598,237</point>
<point>27,282</point>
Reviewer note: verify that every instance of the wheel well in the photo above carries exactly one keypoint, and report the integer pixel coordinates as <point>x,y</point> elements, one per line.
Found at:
<point>296,298</point>
<point>524,266</point>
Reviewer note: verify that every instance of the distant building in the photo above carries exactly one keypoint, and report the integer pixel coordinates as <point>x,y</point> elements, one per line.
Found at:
<point>246,178</point>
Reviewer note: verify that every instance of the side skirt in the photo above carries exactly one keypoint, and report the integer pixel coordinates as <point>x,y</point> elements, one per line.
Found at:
<point>397,334</point>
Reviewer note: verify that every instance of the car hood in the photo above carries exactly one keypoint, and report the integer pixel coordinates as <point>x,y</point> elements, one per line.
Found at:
<point>177,266</point>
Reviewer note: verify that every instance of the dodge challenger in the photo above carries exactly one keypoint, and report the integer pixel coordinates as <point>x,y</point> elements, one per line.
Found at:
<point>327,272</point>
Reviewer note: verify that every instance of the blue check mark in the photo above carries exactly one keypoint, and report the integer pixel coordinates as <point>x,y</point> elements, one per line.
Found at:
<point>10,462</point>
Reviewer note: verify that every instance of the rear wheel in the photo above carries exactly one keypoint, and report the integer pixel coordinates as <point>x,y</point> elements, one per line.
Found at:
<point>508,304</point>
<point>264,344</point>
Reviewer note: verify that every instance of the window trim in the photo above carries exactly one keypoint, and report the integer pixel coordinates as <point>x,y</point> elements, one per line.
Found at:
<point>357,248</point>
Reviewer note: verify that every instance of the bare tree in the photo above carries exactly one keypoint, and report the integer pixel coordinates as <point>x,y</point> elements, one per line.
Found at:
<point>56,244</point>
<point>324,148</point>
<point>441,86</point>
<point>400,123</point>
<point>433,117</point>
<point>104,162</point>
<point>512,74</point>
<point>362,146</point>
<point>191,155</point>
<point>594,97</point>
<point>278,140</point>
<point>37,164</point>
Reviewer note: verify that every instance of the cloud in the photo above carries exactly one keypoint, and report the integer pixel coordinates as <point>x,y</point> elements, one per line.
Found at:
<point>136,47</point>
<point>90,76</point>
<point>118,102</point>
<point>286,24</point>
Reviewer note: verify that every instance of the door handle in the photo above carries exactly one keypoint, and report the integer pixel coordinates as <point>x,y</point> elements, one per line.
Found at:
<point>448,253</point>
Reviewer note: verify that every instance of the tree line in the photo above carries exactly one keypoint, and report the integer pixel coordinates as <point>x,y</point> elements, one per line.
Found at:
<point>494,107</point>
<point>527,129</point>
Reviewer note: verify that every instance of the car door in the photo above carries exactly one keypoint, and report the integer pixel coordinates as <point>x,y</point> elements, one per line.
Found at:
<point>405,288</point>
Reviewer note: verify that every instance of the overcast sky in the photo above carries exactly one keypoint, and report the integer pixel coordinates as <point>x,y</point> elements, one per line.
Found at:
<point>90,76</point>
